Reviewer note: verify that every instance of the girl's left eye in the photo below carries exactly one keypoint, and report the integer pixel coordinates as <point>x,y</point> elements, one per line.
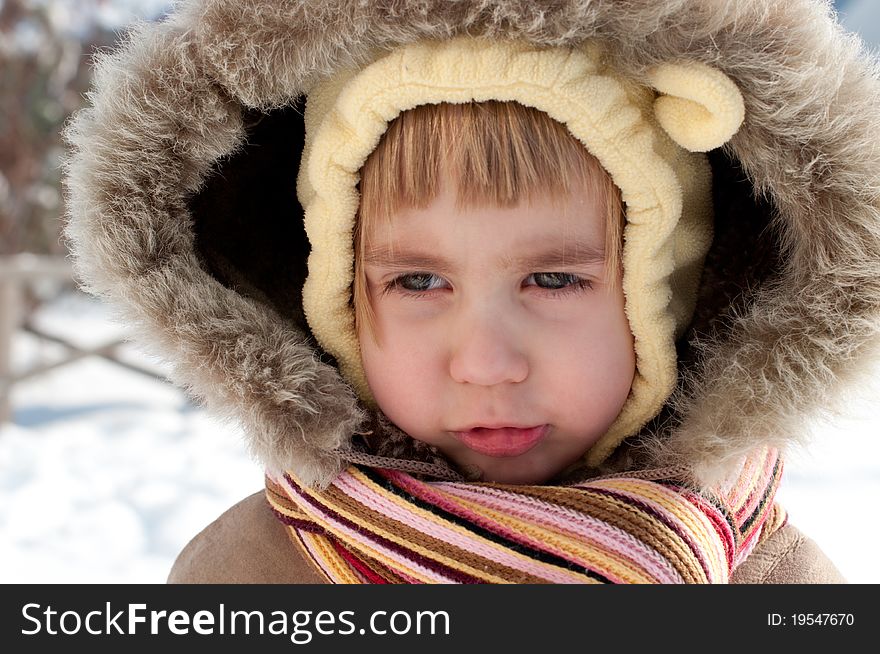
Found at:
<point>556,281</point>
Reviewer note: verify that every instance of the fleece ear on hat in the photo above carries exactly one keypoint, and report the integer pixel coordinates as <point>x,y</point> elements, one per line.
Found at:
<point>699,107</point>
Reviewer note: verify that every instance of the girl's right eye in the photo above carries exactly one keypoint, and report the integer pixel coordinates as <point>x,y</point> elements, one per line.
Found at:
<point>420,282</point>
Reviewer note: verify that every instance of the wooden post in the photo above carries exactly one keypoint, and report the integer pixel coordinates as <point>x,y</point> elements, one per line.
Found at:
<point>10,319</point>
<point>16,270</point>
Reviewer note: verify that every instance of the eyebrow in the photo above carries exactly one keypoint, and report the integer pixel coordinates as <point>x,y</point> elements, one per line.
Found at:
<point>558,257</point>
<point>571,255</point>
<point>396,259</point>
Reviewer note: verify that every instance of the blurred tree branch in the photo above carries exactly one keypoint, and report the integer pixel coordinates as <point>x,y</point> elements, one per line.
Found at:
<point>45,72</point>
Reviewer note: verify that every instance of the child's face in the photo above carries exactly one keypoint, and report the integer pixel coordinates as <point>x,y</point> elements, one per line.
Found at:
<point>497,340</point>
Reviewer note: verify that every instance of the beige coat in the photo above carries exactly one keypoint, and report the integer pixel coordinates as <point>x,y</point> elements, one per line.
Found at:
<point>182,213</point>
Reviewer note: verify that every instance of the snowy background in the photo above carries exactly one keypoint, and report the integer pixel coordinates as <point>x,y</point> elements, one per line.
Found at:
<point>106,473</point>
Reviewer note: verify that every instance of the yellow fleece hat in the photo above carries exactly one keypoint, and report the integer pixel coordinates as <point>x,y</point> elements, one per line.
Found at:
<point>665,185</point>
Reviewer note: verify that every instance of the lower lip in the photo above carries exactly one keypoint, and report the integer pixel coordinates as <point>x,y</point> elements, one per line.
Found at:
<point>507,441</point>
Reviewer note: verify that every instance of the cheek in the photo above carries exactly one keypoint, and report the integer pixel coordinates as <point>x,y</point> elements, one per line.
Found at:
<point>593,357</point>
<point>401,369</point>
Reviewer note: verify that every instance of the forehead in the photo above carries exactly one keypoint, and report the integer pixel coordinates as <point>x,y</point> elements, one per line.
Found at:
<point>577,217</point>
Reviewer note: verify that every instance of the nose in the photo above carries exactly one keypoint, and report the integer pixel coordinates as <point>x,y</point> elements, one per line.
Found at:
<point>485,351</point>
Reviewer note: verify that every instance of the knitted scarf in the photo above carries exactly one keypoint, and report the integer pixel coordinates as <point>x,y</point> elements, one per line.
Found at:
<point>376,525</point>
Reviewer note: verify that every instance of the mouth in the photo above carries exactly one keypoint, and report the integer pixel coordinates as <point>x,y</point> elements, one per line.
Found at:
<point>502,441</point>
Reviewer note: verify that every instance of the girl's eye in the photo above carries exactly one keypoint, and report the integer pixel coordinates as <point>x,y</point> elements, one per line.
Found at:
<point>416,282</point>
<point>555,281</point>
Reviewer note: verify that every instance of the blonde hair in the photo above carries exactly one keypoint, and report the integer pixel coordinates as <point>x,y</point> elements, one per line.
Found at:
<point>495,153</point>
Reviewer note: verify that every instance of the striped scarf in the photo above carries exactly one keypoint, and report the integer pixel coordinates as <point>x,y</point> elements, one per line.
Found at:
<point>385,526</point>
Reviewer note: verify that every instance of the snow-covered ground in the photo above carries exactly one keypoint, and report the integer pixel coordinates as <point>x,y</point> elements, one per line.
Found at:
<point>105,473</point>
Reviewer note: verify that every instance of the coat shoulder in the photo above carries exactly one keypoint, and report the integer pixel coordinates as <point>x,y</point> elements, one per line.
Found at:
<point>787,557</point>
<point>245,545</point>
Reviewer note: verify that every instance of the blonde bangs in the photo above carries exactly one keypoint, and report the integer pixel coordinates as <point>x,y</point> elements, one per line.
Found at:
<point>494,153</point>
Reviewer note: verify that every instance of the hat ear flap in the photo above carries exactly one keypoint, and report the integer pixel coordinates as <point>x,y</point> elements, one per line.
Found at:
<point>699,107</point>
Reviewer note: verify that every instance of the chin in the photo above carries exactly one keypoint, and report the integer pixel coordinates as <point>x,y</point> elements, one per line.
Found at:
<point>513,476</point>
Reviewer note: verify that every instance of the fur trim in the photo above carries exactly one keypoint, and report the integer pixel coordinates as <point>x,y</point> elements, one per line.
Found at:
<point>170,112</point>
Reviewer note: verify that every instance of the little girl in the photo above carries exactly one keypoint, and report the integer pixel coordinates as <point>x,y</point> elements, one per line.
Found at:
<point>524,329</point>
<point>490,322</point>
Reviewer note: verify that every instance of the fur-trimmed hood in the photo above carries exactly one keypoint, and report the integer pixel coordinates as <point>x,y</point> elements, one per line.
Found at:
<point>183,210</point>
